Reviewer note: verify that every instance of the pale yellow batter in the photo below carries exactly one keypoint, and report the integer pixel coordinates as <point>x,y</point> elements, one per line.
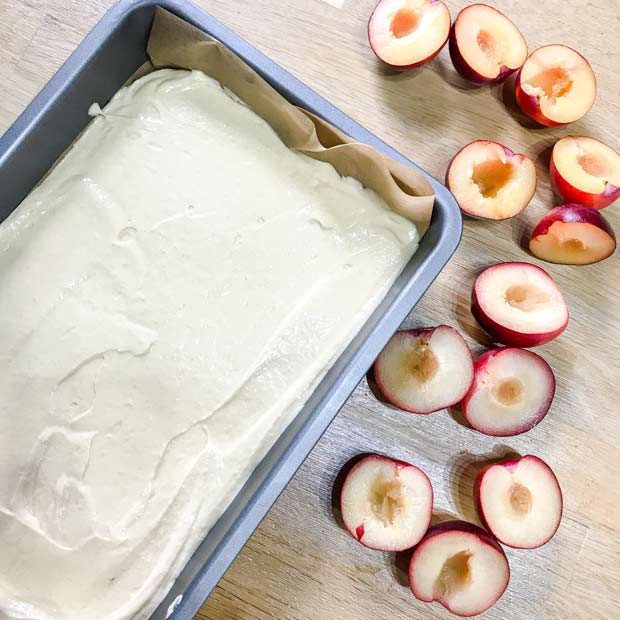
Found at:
<point>170,295</point>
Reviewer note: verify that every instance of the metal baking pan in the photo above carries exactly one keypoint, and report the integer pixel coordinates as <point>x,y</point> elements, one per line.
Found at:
<point>108,56</point>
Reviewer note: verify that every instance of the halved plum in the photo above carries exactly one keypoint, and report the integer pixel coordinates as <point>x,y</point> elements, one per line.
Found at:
<point>485,46</point>
<point>511,393</point>
<point>461,566</point>
<point>519,501</point>
<point>386,504</point>
<point>408,33</point>
<point>556,85</point>
<point>585,171</point>
<point>519,304</point>
<point>573,235</point>
<point>490,181</point>
<point>424,370</point>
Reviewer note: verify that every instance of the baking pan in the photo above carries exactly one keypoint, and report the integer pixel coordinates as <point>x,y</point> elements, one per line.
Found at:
<point>108,56</point>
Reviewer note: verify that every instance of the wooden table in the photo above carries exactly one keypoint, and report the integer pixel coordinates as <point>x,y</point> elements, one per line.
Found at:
<point>300,565</point>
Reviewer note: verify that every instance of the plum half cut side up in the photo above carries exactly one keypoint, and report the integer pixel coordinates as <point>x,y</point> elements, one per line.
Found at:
<point>425,370</point>
<point>386,504</point>
<point>485,46</point>
<point>461,566</point>
<point>511,393</point>
<point>573,235</point>
<point>556,85</point>
<point>519,304</point>
<point>585,171</point>
<point>490,181</point>
<point>405,34</point>
<point>519,501</point>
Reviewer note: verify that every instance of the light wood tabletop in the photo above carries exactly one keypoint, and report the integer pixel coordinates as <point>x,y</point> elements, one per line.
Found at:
<point>300,564</point>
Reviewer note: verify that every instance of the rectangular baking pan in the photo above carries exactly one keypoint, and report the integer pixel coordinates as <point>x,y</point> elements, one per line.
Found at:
<point>108,56</point>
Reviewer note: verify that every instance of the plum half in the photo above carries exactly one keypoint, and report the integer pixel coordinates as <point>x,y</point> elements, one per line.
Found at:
<point>585,171</point>
<point>408,33</point>
<point>490,181</point>
<point>461,566</point>
<point>573,235</point>
<point>519,304</point>
<point>556,85</point>
<point>485,46</point>
<point>386,504</point>
<point>519,501</point>
<point>511,393</point>
<point>424,370</point>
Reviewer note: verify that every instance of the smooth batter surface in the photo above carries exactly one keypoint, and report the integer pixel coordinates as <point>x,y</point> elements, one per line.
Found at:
<point>170,295</point>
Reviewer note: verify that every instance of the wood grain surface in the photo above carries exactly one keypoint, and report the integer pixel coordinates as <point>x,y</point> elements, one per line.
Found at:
<point>300,564</point>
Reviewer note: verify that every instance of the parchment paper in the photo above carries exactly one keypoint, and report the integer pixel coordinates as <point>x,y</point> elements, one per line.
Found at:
<point>175,43</point>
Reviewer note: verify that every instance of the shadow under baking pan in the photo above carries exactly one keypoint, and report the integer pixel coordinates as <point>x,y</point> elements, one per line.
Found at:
<point>103,62</point>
